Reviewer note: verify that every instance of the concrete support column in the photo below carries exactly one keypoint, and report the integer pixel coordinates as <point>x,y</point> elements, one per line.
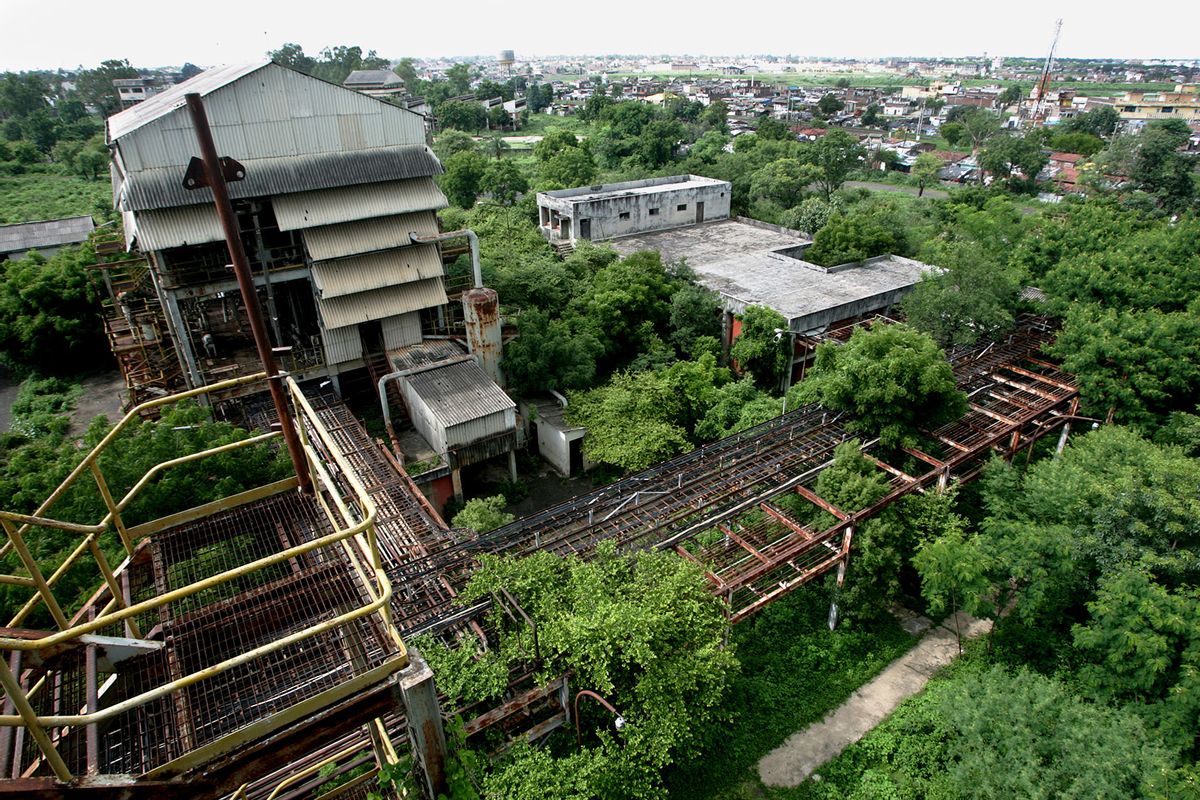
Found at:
<point>512,465</point>
<point>456,483</point>
<point>847,538</point>
<point>424,716</point>
<point>726,334</point>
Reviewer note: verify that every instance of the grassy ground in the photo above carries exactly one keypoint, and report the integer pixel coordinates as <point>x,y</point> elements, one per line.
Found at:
<point>794,671</point>
<point>540,123</point>
<point>881,750</point>
<point>28,198</point>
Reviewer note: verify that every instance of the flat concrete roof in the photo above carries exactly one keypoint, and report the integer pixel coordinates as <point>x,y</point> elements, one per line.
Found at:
<point>738,260</point>
<point>585,194</point>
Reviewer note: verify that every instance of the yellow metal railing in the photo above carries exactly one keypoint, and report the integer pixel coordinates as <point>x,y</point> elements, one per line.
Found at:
<point>351,514</point>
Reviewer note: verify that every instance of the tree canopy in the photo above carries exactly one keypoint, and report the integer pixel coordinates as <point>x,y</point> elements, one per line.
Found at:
<point>891,380</point>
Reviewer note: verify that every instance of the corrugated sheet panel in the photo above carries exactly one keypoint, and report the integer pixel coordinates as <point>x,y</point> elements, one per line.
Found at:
<point>342,345</point>
<point>261,111</point>
<point>429,351</point>
<point>461,392</point>
<point>352,309</point>
<point>377,270</point>
<point>164,103</point>
<point>50,233</point>
<point>332,206</point>
<point>162,187</point>
<point>482,427</point>
<point>401,330</point>
<point>176,227</point>
<point>368,235</point>
<point>423,418</point>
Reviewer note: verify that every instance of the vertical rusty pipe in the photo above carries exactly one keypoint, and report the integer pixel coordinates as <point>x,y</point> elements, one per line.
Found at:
<point>241,268</point>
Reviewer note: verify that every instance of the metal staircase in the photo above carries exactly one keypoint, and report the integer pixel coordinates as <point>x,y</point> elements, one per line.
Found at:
<point>134,321</point>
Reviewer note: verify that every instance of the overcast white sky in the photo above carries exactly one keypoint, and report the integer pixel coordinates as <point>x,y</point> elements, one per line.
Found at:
<point>36,34</point>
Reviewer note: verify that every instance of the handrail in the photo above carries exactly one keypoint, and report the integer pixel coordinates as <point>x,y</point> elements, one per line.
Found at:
<point>357,523</point>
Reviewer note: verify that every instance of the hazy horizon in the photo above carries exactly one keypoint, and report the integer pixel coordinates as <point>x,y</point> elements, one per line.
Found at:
<point>149,36</point>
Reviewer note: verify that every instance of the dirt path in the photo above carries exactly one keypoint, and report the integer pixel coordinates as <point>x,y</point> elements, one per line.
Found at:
<point>935,194</point>
<point>803,753</point>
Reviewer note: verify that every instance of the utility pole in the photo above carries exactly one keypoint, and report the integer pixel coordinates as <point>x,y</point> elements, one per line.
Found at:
<point>210,171</point>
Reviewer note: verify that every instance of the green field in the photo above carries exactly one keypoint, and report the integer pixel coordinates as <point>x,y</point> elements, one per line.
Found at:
<point>29,198</point>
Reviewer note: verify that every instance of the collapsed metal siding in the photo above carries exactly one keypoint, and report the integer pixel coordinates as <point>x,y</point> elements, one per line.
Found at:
<point>401,330</point>
<point>359,307</point>
<point>342,345</point>
<point>162,187</point>
<point>260,110</point>
<point>347,204</point>
<point>368,235</point>
<point>363,273</point>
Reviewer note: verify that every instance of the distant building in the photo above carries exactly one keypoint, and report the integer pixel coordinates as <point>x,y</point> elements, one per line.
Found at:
<point>1140,107</point>
<point>375,82</point>
<point>132,91</point>
<point>621,209</point>
<point>45,237</point>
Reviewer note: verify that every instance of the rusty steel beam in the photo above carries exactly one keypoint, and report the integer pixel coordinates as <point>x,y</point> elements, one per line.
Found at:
<point>821,502</point>
<point>215,180</point>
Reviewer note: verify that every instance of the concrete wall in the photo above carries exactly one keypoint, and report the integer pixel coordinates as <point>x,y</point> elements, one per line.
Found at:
<point>625,213</point>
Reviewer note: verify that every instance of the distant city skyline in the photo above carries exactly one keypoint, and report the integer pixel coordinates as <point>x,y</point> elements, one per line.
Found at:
<point>36,35</point>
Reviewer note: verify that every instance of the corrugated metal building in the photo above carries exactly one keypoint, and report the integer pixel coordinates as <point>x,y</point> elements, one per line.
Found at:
<point>456,404</point>
<point>335,182</point>
<point>45,237</point>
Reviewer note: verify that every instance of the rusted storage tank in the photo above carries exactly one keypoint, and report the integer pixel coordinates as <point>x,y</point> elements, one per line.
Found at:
<point>481,312</point>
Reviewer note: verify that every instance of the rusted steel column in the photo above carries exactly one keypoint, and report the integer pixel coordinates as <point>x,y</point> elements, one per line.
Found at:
<point>241,268</point>
<point>425,733</point>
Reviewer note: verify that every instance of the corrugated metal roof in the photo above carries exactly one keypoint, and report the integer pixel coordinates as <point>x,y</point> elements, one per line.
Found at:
<point>372,77</point>
<point>176,227</point>
<point>329,207</point>
<point>48,233</point>
<point>351,309</point>
<point>367,235</point>
<point>162,187</point>
<point>429,351</point>
<point>164,103</point>
<point>377,270</point>
<point>459,393</point>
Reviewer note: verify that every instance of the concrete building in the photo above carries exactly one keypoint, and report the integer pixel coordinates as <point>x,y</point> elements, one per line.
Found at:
<point>750,263</point>
<point>45,237</point>
<point>612,210</point>
<point>375,82</point>
<point>551,437</point>
<point>132,91</point>
<point>1142,107</point>
<point>334,184</point>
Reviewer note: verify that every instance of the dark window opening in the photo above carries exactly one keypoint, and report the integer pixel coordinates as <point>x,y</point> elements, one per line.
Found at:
<point>654,212</point>
<point>623,215</point>
<point>681,207</point>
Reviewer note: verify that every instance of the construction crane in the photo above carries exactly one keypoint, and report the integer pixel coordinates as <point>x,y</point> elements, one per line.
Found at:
<point>1044,81</point>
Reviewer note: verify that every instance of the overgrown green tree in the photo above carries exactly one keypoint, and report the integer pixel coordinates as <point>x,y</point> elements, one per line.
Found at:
<point>893,381</point>
<point>971,296</point>
<point>462,180</point>
<point>926,170</point>
<point>761,350</point>
<point>482,514</point>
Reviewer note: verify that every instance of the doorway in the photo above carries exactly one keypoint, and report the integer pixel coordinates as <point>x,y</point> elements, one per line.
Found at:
<point>700,211</point>
<point>585,229</point>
